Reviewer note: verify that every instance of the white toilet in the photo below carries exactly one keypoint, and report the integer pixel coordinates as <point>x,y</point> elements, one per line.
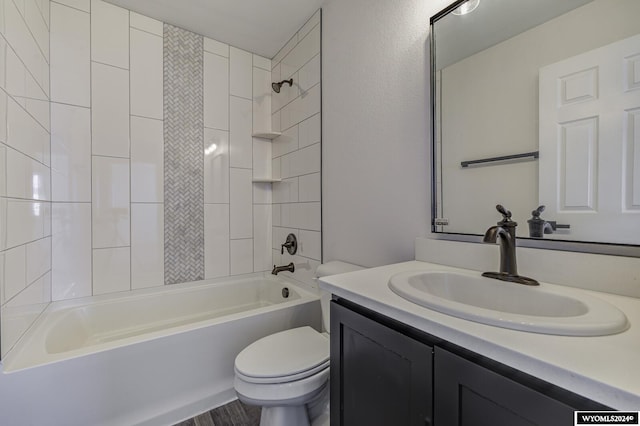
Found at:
<point>287,373</point>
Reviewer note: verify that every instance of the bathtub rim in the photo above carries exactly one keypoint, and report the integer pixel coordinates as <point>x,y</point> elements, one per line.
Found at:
<point>30,351</point>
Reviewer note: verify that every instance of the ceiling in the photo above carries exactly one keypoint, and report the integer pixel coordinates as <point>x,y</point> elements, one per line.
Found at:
<point>259,26</point>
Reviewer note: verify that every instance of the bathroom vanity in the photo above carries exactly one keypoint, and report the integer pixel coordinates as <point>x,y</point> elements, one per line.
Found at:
<point>396,362</point>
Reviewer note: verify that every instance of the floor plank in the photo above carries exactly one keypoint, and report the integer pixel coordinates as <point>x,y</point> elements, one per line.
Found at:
<point>234,413</point>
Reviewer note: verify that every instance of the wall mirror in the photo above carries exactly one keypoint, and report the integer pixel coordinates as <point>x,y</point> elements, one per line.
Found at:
<point>537,103</point>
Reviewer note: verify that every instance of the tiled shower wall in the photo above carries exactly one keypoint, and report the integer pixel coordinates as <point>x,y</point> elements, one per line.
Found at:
<point>121,143</point>
<point>25,184</point>
<point>297,153</point>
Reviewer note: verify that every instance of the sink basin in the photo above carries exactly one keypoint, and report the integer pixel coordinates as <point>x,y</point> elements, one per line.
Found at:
<point>547,308</point>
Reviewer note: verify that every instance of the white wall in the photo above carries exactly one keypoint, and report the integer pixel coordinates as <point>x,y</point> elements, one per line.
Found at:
<point>25,178</point>
<point>376,131</point>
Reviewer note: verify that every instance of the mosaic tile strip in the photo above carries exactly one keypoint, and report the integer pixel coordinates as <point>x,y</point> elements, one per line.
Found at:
<point>183,156</point>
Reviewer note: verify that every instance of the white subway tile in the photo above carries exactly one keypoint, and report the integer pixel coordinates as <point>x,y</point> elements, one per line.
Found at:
<point>38,258</point>
<point>263,229</point>
<point>240,140</point>
<point>262,193</point>
<point>309,25</point>
<point>216,47</point>
<point>216,166</point>
<point>3,223</point>
<point>147,245</point>
<point>146,75</point>
<point>18,35</point>
<point>3,166</point>
<point>40,111</point>
<point>84,5</point>
<point>241,65</point>
<point>276,99</point>
<point>4,108</point>
<point>261,157</point>
<point>276,168</point>
<point>25,134</point>
<point>241,204</point>
<point>37,26</point>
<point>307,48</point>
<point>216,91</point>
<point>287,142</point>
<point>111,270</point>
<point>305,106</point>
<point>261,100</point>
<point>302,216</point>
<point>110,111</point>
<point>310,244</point>
<point>309,74</point>
<point>147,160</point>
<point>109,34</point>
<point>19,313</point>
<point>46,215</point>
<point>27,178</point>
<point>275,120</point>
<point>15,75</point>
<point>15,268</point>
<point>241,252</point>
<point>147,24</point>
<point>285,191</point>
<point>262,62</point>
<point>110,201</point>
<point>306,160</point>
<point>310,187</point>
<point>275,215</point>
<point>43,5</point>
<point>71,253</point>
<point>24,222</point>
<point>216,240</point>
<point>309,131</point>
<point>70,153</point>
<point>285,50</point>
<point>70,55</point>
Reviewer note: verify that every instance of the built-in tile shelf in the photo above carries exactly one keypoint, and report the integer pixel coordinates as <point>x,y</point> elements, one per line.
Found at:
<point>266,135</point>
<point>265,180</point>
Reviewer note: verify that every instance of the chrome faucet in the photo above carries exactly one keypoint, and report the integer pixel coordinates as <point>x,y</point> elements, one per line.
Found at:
<point>504,233</point>
<point>290,267</point>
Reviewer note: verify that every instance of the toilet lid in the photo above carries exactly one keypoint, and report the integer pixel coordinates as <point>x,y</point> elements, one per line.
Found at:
<point>286,353</point>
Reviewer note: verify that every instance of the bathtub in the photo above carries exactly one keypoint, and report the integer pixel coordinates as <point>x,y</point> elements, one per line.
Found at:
<point>147,357</point>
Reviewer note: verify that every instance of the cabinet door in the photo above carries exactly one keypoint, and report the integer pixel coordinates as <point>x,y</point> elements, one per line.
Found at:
<point>378,375</point>
<point>467,394</point>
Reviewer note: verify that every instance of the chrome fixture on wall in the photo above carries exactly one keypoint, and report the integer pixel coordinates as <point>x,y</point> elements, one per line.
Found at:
<point>276,86</point>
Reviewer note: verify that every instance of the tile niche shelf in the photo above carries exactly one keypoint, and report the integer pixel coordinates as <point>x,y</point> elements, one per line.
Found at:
<point>265,180</point>
<point>266,135</point>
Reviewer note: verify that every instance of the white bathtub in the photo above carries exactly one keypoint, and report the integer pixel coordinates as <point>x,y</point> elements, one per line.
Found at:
<point>148,357</point>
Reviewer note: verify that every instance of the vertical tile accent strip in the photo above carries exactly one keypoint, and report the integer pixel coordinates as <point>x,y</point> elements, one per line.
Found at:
<point>183,156</point>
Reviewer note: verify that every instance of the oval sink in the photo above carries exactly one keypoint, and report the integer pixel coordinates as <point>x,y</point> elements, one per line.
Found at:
<point>544,309</point>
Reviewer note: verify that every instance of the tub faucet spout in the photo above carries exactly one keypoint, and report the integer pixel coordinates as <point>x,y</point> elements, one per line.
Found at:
<point>290,267</point>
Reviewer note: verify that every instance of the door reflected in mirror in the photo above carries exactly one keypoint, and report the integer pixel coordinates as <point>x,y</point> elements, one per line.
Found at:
<point>537,103</point>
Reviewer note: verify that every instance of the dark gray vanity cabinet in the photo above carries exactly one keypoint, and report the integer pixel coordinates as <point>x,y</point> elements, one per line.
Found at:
<point>467,394</point>
<point>379,376</point>
<point>386,373</point>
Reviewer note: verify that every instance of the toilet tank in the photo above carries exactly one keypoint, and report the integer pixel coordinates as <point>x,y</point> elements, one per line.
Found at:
<point>333,267</point>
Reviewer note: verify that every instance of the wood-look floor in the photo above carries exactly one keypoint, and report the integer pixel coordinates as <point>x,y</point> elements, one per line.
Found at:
<point>234,413</point>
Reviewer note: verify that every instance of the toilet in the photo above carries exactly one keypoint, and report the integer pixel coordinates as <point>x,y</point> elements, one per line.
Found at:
<point>287,373</point>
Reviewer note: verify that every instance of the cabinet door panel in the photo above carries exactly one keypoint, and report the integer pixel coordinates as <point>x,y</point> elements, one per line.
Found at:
<point>467,394</point>
<point>378,375</point>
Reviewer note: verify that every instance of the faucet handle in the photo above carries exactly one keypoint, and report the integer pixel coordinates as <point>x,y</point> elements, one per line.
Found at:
<point>536,212</point>
<point>506,214</point>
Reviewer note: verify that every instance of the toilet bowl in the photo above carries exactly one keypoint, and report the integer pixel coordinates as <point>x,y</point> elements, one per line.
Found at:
<point>287,373</point>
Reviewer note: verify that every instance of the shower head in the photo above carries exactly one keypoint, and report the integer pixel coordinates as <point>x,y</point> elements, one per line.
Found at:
<point>276,86</point>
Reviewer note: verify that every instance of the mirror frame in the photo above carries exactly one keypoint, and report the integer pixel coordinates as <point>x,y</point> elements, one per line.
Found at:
<point>626,250</point>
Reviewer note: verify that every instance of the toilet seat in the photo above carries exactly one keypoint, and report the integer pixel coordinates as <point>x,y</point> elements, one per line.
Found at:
<point>284,357</point>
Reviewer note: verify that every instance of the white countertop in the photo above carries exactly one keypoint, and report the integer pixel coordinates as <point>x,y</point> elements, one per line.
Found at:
<point>605,369</point>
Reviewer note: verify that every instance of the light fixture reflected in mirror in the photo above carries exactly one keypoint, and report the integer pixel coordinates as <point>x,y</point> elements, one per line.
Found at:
<point>466,7</point>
